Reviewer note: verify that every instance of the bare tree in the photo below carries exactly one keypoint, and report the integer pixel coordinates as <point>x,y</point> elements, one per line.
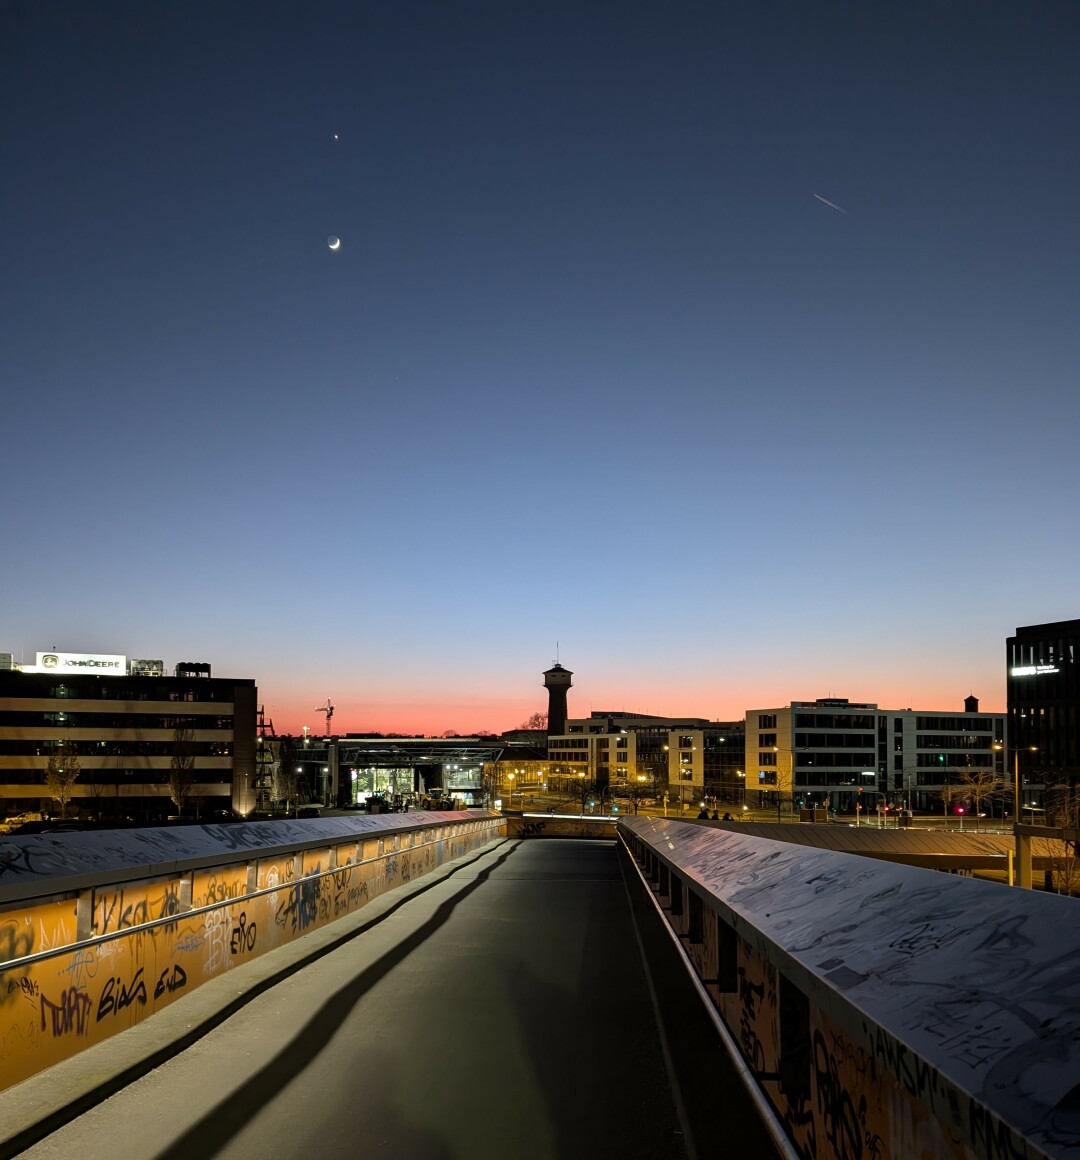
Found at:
<point>980,786</point>
<point>182,766</point>
<point>536,727</point>
<point>1062,809</point>
<point>638,787</point>
<point>583,791</point>
<point>949,793</point>
<point>61,773</point>
<point>284,779</point>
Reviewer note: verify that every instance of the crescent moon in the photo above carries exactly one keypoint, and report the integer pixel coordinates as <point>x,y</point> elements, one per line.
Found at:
<point>333,243</point>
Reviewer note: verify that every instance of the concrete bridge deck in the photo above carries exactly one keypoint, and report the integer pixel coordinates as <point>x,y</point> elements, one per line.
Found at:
<point>499,1007</point>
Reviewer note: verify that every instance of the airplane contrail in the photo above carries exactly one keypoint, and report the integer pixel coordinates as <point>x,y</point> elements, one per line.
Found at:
<point>830,204</point>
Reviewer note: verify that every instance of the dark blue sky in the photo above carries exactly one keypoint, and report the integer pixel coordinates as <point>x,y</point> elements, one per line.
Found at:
<point>593,365</point>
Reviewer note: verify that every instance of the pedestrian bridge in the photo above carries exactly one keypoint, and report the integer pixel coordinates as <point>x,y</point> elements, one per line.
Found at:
<point>433,983</point>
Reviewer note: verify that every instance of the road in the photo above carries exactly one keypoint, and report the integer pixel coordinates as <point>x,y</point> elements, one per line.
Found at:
<point>505,1011</point>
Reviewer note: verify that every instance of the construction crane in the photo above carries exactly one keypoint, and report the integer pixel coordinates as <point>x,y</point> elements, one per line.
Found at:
<point>328,709</point>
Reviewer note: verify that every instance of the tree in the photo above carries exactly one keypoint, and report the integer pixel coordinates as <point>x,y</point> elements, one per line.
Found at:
<point>980,786</point>
<point>583,790</point>
<point>284,778</point>
<point>638,787</point>
<point>1062,809</point>
<point>536,728</point>
<point>61,773</point>
<point>949,793</point>
<point>182,766</point>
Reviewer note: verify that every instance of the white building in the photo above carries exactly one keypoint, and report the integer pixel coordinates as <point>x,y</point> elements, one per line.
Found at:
<point>855,757</point>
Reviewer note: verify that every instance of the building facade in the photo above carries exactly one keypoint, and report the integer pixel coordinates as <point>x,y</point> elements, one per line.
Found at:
<point>126,723</point>
<point>1043,706</point>
<point>688,759</point>
<point>855,758</point>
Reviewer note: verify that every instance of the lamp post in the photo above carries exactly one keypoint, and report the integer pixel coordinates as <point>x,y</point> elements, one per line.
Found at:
<point>510,792</point>
<point>1015,750</point>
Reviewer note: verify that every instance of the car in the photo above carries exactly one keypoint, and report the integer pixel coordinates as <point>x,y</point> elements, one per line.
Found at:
<point>309,812</point>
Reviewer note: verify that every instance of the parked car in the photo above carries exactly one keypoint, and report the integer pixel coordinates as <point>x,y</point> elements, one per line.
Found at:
<point>309,812</point>
<point>214,817</point>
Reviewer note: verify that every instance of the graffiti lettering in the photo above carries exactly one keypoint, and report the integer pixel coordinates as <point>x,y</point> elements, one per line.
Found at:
<point>170,981</point>
<point>70,1014</point>
<point>844,1123</point>
<point>302,907</point>
<point>349,900</point>
<point>752,1048</point>
<point>116,995</point>
<point>990,1137</point>
<point>222,890</point>
<point>243,935</point>
<point>15,943</point>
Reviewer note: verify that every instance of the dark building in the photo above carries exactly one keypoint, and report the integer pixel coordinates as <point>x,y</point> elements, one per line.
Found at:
<point>124,723</point>
<point>1043,702</point>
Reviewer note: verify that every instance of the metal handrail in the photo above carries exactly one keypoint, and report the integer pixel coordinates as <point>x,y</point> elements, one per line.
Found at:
<point>181,915</point>
<point>764,1109</point>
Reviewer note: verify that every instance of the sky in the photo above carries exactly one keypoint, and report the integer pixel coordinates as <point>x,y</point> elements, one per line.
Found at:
<point>598,373</point>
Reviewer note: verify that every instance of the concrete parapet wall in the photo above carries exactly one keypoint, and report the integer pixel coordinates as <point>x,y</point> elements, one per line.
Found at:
<point>101,940</point>
<point>884,1011</point>
<point>541,826</point>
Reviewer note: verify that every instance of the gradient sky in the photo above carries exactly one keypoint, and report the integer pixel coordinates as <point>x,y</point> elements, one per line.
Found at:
<point>593,365</point>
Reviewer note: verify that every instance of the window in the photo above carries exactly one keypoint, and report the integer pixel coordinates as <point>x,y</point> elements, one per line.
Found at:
<point>620,757</point>
<point>767,758</point>
<point>686,759</point>
<point>766,739</point>
<point>685,741</point>
<point>766,721</point>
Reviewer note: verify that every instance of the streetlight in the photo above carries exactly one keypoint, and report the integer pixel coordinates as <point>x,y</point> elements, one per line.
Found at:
<point>1016,772</point>
<point>858,796</point>
<point>510,778</point>
<point>581,791</point>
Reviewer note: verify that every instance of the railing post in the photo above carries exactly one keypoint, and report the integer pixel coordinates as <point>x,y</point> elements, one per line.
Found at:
<point>1023,859</point>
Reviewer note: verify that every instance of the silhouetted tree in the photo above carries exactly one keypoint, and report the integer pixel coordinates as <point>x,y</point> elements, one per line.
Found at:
<point>285,779</point>
<point>980,786</point>
<point>182,766</point>
<point>60,776</point>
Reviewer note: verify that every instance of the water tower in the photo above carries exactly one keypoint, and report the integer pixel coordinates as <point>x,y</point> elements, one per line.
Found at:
<point>557,681</point>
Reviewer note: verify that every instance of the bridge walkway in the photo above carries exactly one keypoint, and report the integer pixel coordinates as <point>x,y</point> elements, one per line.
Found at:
<point>503,1008</point>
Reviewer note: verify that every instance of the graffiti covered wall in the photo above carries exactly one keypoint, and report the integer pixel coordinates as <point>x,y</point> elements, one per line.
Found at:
<point>54,1007</point>
<point>884,1012</point>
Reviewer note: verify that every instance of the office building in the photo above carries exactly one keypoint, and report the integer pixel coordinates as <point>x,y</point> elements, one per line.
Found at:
<point>1043,706</point>
<point>126,722</point>
<point>855,758</point>
<point>686,758</point>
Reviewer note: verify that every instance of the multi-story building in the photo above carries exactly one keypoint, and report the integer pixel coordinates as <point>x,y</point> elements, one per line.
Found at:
<point>1043,704</point>
<point>126,723</point>
<point>854,757</point>
<point>687,758</point>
